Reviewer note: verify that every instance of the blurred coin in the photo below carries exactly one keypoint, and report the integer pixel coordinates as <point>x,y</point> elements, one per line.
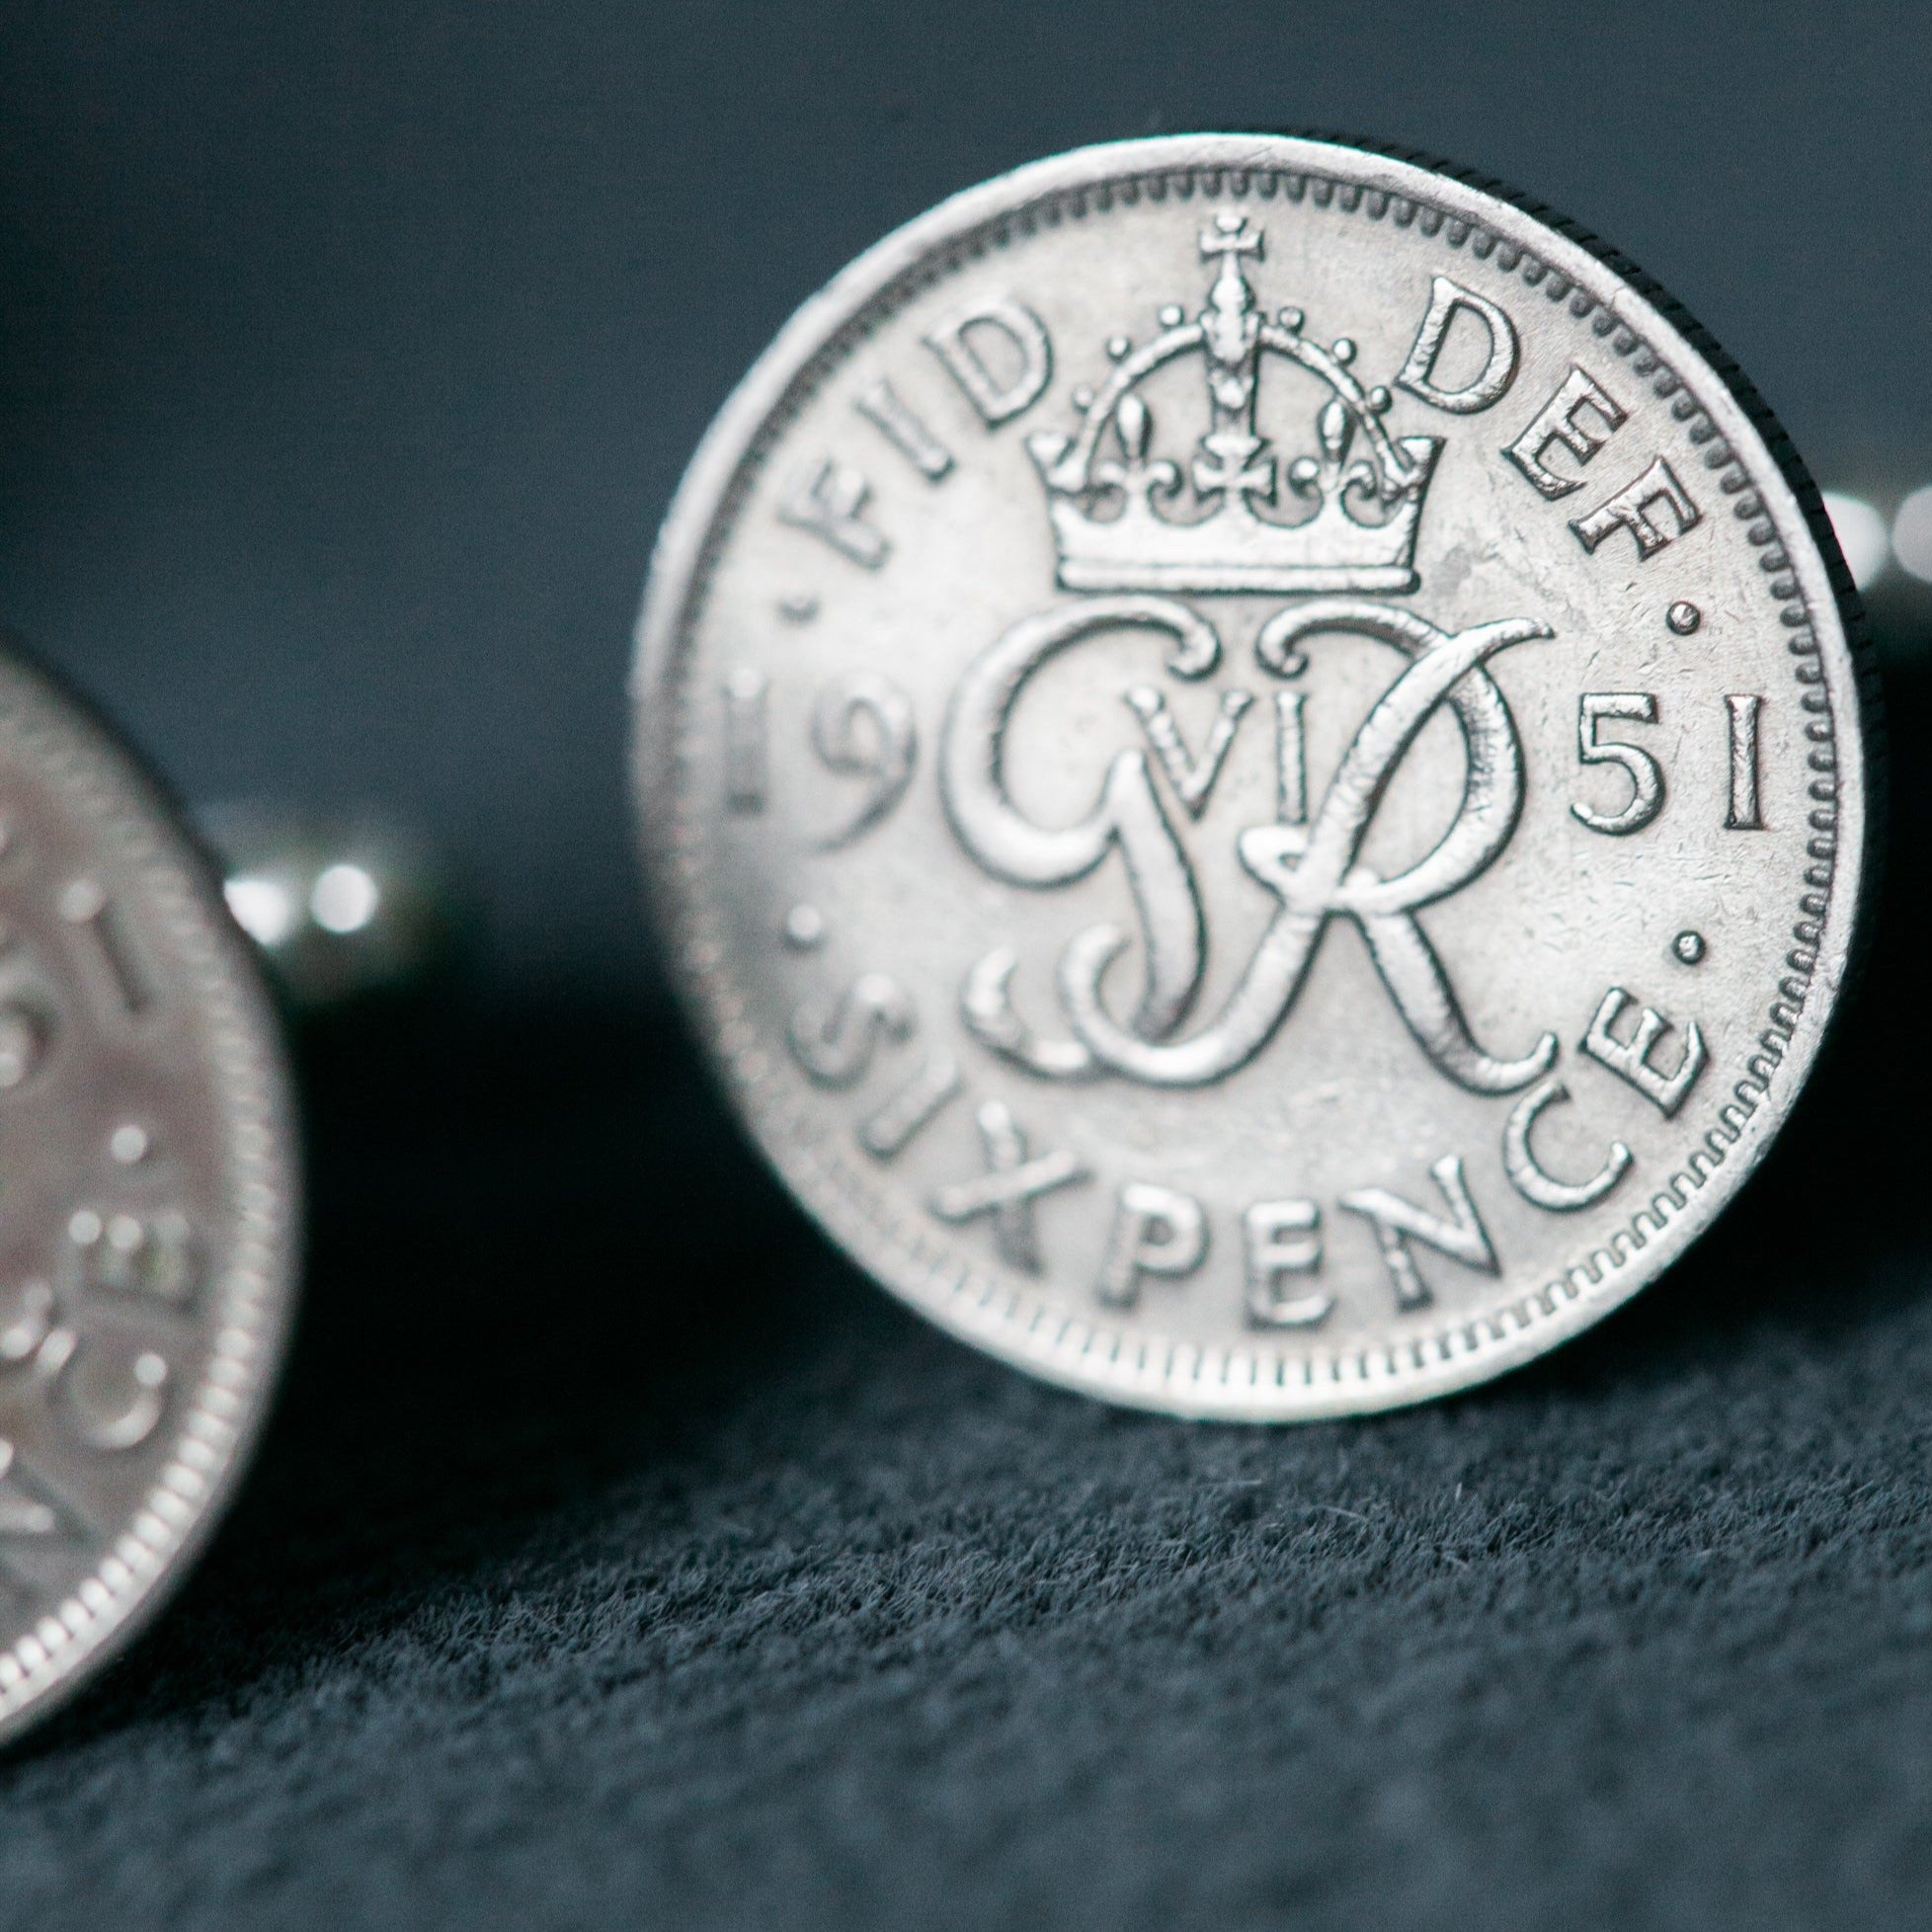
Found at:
<point>1253,770</point>
<point>147,1197</point>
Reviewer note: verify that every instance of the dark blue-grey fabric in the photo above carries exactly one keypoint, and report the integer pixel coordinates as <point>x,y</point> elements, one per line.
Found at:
<point>620,1559</point>
<point>617,1557</point>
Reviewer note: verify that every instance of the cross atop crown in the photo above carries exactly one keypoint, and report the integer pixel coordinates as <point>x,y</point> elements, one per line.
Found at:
<point>1111,496</point>
<point>1231,236</point>
<point>1230,298</point>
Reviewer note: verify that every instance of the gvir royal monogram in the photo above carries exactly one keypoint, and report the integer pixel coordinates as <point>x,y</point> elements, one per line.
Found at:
<point>1255,772</point>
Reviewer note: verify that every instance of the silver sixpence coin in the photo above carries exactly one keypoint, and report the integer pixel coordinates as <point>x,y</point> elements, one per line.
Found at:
<point>147,1197</point>
<point>1255,772</point>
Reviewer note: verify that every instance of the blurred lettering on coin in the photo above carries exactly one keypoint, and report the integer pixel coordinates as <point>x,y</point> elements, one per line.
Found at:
<point>146,1197</point>
<point>1256,657</point>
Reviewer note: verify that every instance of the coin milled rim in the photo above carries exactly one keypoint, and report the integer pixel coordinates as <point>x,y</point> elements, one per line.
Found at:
<point>252,1306</point>
<point>1737,443</point>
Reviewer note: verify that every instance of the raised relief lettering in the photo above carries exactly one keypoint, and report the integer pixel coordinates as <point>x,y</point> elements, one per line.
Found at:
<point>86,909</point>
<point>999,353</point>
<point>1282,1238</point>
<point>1397,1222</point>
<point>108,1389</point>
<point>1315,871</point>
<point>1127,815</point>
<point>27,1316</point>
<point>25,1033</point>
<point>114,1392</point>
<point>895,1126</point>
<point>883,406</point>
<point>1447,300</point>
<point>835,1048</point>
<point>1742,812</point>
<point>862,727</point>
<point>149,1254</point>
<point>746,692</point>
<point>1157,1231</point>
<point>1191,777</point>
<point>1561,421</point>
<point>1646,787</point>
<point>827,499</point>
<point>25,1510</point>
<point>1531,1179</point>
<point>1014,1178</point>
<point>32,1519</point>
<point>1630,1060</point>
<point>1290,758</point>
<point>1630,509</point>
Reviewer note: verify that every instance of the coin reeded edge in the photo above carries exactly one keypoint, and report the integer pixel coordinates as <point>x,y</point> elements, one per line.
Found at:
<point>224,1412</point>
<point>1725,424</point>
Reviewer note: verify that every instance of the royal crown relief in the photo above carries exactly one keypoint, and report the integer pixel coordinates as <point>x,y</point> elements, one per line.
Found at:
<point>1147,534</point>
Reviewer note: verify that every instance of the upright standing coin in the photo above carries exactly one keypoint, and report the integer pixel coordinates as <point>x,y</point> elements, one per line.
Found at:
<point>146,1197</point>
<point>1255,772</point>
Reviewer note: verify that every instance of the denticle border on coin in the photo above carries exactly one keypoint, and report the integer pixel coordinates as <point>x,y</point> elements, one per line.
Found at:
<point>247,1298</point>
<point>1724,434</point>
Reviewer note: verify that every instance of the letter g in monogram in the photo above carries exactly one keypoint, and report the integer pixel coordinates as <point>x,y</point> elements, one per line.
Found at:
<point>1128,814</point>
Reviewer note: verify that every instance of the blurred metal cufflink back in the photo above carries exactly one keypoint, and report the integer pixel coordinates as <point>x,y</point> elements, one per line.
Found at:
<point>1254,771</point>
<point>346,908</point>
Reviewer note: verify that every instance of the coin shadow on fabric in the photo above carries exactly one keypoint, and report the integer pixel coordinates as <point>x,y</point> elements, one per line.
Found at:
<point>541,1261</point>
<point>545,1267</point>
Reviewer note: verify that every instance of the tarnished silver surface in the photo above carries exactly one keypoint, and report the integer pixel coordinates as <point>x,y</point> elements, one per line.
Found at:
<point>147,1197</point>
<point>1255,774</point>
